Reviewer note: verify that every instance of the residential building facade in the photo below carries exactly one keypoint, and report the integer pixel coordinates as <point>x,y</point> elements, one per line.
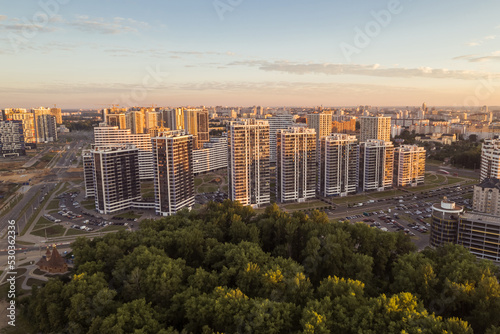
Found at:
<point>375,128</point>
<point>376,165</point>
<point>116,177</point>
<point>212,157</point>
<point>490,159</point>
<point>487,197</point>
<point>409,165</point>
<point>338,171</point>
<point>248,162</point>
<point>296,166</point>
<point>173,176</point>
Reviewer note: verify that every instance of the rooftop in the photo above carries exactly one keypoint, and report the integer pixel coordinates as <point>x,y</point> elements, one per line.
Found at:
<point>490,183</point>
<point>482,217</point>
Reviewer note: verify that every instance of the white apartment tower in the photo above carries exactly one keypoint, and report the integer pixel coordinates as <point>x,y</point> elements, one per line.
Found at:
<point>490,159</point>
<point>322,123</point>
<point>375,128</point>
<point>277,122</point>
<point>105,135</point>
<point>296,164</point>
<point>174,180</point>
<point>338,172</point>
<point>376,165</point>
<point>409,165</point>
<point>248,162</point>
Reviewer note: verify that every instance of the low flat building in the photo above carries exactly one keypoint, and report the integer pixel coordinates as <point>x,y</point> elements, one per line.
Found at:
<point>480,233</point>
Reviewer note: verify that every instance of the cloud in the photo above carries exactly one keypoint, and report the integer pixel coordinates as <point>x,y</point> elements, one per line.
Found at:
<point>481,41</point>
<point>494,56</point>
<point>366,70</point>
<point>117,25</point>
<point>3,17</point>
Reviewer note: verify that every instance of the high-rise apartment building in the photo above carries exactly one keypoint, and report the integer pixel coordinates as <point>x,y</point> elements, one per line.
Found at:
<point>487,197</point>
<point>135,121</point>
<point>174,180</point>
<point>277,122</point>
<point>46,128</point>
<point>105,135</point>
<point>196,124</point>
<point>376,165</point>
<point>248,164</point>
<point>116,177</point>
<point>344,126</point>
<point>409,165</point>
<point>88,173</point>
<point>173,118</point>
<point>11,138</point>
<point>203,128</point>
<point>56,112</point>
<point>28,120</point>
<point>118,120</point>
<point>490,159</point>
<point>211,157</point>
<point>338,171</point>
<point>322,123</point>
<point>375,128</point>
<point>296,166</point>
<point>151,119</point>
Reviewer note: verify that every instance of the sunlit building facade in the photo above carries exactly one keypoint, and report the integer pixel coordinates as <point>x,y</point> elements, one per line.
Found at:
<point>338,171</point>
<point>173,175</point>
<point>296,167</point>
<point>248,162</point>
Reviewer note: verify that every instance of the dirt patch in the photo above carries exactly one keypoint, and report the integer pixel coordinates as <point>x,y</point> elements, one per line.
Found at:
<point>22,177</point>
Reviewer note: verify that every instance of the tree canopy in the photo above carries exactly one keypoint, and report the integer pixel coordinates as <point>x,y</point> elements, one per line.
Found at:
<point>226,269</point>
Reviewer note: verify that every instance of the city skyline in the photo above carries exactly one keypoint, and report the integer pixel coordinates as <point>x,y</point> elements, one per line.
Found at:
<point>89,55</point>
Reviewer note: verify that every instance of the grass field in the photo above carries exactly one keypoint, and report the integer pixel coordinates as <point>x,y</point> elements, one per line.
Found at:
<point>88,204</point>
<point>52,231</point>
<point>147,189</point>
<point>62,188</point>
<point>307,205</point>
<point>42,222</point>
<point>53,205</point>
<point>73,231</point>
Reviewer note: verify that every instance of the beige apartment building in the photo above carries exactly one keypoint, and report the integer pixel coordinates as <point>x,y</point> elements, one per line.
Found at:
<point>490,159</point>
<point>375,128</point>
<point>338,171</point>
<point>376,165</point>
<point>295,164</point>
<point>248,162</point>
<point>487,197</point>
<point>409,165</point>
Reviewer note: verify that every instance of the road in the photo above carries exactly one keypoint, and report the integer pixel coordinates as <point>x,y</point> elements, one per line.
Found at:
<point>452,170</point>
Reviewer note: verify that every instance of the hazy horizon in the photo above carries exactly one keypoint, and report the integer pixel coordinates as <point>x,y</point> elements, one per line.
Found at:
<point>283,53</point>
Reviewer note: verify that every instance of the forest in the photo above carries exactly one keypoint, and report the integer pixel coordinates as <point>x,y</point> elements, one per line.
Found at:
<point>227,269</point>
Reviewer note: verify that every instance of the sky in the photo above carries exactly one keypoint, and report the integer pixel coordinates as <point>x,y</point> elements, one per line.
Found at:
<point>91,54</point>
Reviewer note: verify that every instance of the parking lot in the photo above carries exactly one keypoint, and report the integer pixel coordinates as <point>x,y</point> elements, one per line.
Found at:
<point>70,213</point>
<point>410,213</point>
